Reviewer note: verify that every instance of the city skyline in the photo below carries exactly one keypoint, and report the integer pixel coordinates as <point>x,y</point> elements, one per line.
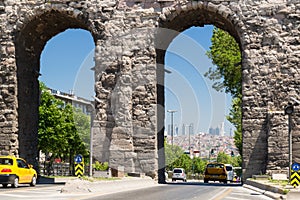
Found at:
<point>186,130</point>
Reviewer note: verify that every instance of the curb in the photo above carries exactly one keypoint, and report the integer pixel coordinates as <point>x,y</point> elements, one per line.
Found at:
<point>268,190</point>
<point>273,191</point>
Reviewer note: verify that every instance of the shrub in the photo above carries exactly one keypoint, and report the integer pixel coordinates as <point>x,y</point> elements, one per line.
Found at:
<point>100,166</point>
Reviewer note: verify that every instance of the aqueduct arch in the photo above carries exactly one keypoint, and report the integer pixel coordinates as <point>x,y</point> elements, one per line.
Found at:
<point>176,21</point>
<point>29,43</point>
<point>128,130</point>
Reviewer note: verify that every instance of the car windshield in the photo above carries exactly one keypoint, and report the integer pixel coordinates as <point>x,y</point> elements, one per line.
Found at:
<point>177,171</point>
<point>6,161</point>
<point>215,166</point>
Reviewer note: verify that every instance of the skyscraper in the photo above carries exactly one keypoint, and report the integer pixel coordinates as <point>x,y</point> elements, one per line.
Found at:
<point>183,129</point>
<point>222,132</point>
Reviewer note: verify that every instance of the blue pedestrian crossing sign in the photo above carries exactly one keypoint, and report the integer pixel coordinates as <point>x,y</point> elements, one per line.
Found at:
<point>78,158</point>
<point>295,167</point>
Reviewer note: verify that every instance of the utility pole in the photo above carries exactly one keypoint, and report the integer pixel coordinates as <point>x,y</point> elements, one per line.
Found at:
<point>172,126</point>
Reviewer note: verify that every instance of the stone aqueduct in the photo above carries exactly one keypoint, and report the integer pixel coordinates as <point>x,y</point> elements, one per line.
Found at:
<point>131,37</point>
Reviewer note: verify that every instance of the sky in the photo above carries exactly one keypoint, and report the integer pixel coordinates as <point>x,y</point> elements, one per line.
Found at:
<point>67,59</point>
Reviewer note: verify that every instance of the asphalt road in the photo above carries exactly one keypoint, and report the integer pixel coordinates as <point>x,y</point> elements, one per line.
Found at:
<point>187,191</point>
<point>173,191</point>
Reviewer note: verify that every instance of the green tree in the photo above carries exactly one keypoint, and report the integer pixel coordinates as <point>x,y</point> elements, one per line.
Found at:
<point>83,126</point>
<point>199,165</point>
<point>235,161</point>
<point>50,133</point>
<point>224,158</point>
<point>172,153</point>
<point>226,56</point>
<point>57,130</point>
<point>175,157</point>
<point>235,117</point>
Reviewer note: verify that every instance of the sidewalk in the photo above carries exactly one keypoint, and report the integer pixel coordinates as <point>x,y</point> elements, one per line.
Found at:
<point>273,191</point>
<point>77,185</point>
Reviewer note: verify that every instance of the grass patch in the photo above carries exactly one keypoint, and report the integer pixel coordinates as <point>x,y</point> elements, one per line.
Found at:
<point>92,179</point>
<point>285,191</point>
<point>86,178</point>
<point>279,182</point>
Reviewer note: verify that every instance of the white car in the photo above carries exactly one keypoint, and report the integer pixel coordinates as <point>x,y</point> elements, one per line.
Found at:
<point>179,174</point>
<point>230,173</point>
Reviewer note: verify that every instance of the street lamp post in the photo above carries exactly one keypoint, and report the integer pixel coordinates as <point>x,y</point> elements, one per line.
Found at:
<point>189,139</point>
<point>172,115</point>
<point>288,110</point>
<point>91,139</point>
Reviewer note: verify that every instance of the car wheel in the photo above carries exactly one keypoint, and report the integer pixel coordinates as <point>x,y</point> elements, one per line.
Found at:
<point>33,181</point>
<point>16,182</point>
<point>4,185</point>
<point>205,181</point>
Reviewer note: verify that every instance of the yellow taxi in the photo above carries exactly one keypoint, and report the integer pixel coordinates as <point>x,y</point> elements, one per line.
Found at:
<point>215,172</point>
<point>16,171</point>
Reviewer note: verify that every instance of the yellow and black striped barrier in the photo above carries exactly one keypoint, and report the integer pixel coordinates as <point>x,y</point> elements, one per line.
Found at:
<point>295,175</point>
<point>79,166</point>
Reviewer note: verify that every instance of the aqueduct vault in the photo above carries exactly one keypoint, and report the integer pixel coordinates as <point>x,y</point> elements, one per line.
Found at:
<point>131,38</point>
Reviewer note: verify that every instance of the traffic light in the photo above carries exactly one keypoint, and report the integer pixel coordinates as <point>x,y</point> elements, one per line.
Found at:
<point>212,151</point>
<point>232,154</point>
<point>289,109</point>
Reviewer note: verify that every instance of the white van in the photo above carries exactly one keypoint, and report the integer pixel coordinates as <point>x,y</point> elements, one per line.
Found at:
<point>230,173</point>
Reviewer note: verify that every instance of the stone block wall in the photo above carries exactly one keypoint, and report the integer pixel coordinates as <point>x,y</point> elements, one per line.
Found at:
<point>129,75</point>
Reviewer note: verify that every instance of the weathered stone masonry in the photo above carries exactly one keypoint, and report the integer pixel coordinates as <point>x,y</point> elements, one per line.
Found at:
<point>131,38</point>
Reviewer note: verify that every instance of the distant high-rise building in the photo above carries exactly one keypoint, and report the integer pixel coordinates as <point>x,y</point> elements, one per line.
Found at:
<point>211,131</point>
<point>222,132</point>
<point>191,129</point>
<point>217,131</point>
<point>183,129</point>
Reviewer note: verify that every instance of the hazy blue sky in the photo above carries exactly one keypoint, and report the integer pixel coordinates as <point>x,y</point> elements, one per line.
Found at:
<point>68,57</point>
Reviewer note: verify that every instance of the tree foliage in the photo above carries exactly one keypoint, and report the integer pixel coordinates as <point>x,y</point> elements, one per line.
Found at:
<point>235,161</point>
<point>223,158</point>
<point>226,56</point>
<point>57,134</point>
<point>199,165</point>
<point>83,126</point>
<point>235,117</point>
<point>175,157</point>
<point>172,154</point>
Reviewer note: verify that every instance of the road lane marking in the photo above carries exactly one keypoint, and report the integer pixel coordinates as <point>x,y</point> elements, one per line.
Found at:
<point>222,194</point>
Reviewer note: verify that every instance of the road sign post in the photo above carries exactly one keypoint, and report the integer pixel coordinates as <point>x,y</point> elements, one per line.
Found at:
<point>79,165</point>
